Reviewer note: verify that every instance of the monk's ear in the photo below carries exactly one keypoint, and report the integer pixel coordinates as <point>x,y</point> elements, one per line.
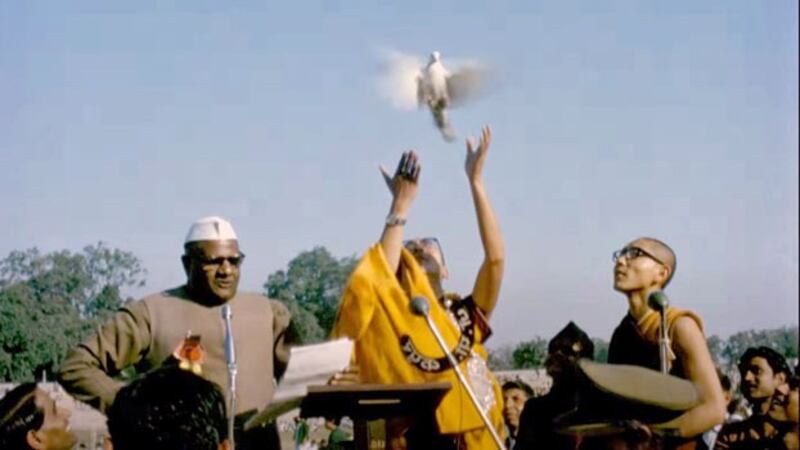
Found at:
<point>107,444</point>
<point>663,274</point>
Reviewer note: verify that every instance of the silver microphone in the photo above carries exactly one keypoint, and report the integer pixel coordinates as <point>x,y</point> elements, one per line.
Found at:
<point>421,307</point>
<point>659,301</point>
<point>230,358</point>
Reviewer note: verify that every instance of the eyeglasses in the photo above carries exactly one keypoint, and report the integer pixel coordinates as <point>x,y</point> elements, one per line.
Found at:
<point>415,246</point>
<point>235,261</point>
<point>630,253</point>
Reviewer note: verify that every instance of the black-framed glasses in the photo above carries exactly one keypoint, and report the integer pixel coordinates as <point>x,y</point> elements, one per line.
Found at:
<point>235,261</point>
<point>415,246</point>
<point>630,253</point>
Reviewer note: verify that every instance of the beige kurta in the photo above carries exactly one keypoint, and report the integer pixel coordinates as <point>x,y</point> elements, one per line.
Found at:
<point>144,334</point>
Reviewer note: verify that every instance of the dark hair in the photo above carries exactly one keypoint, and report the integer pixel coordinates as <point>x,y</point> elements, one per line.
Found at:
<point>18,415</point>
<point>775,360</point>
<point>518,384</point>
<point>168,409</point>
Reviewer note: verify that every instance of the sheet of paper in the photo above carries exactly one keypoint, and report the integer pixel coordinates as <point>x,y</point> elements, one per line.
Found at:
<point>312,365</point>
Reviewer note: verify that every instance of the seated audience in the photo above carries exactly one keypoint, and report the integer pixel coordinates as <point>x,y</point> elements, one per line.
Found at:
<point>515,394</point>
<point>30,419</point>
<point>169,409</point>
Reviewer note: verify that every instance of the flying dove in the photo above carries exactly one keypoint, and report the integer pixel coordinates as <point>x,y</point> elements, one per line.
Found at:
<point>407,83</point>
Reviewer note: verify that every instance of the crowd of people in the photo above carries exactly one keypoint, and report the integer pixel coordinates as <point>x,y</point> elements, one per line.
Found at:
<point>184,397</point>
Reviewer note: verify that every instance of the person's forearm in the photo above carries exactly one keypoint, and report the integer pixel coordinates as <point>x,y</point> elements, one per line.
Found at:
<point>490,275</point>
<point>392,236</point>
<point>492,240</point>
<point>697,420</point>
<point>80,375</point>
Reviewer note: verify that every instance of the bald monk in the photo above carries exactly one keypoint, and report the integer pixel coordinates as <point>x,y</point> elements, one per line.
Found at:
<point>643,266</point>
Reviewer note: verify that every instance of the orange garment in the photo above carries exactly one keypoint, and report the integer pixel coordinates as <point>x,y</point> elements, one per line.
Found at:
<point>650,323</point>
<point>375,313</point>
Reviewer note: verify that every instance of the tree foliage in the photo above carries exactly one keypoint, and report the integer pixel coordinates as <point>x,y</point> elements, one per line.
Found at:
<point>530,354</point>
<point>311,288</point>
<point>727,352</point>
<point>48,302</point>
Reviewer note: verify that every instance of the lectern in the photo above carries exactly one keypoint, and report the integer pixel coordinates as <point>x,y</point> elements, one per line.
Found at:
<point>368,402</point>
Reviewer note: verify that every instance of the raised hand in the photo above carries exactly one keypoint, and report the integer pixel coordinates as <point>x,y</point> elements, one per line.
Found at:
<point>403,185</point>
<point>477,155</point>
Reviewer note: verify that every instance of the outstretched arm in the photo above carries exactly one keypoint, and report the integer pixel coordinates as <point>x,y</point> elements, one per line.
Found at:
<point>403,186</point>
<point>490,275</point>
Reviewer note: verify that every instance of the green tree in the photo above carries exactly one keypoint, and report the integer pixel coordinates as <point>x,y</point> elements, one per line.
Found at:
<point>530,354</point>
<point>783,340</point>
<point>313,282</point>
<point>48,302</point>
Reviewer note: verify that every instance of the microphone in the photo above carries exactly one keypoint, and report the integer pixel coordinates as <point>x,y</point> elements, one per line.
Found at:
<point>230,358</point>
<point>421,307</point>
<point>659,301</point>
<point>230,349</point>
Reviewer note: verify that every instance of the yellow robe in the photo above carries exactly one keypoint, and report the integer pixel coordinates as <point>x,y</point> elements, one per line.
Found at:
<point>375,313</point>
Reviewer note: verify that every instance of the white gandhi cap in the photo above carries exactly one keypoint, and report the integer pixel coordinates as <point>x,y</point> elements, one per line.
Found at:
<point>211,228</point>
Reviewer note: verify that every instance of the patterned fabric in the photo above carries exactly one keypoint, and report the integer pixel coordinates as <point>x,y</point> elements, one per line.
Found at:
<point>375,313</point>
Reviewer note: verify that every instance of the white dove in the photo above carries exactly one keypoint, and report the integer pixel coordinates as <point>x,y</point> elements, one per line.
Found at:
<point>408,84</point>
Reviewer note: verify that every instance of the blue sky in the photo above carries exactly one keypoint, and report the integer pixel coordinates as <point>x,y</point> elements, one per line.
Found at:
<point>611,120</point>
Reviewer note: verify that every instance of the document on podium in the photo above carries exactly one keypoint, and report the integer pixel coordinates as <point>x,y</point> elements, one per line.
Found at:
<point>309,365</point>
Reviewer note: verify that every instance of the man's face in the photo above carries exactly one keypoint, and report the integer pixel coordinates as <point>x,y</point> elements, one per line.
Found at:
<point>513,401</point>
<point>785,406</point>
<point>54,433</point>
<point>212,268</point>
<point>638,268</point>
<point>758,379</point>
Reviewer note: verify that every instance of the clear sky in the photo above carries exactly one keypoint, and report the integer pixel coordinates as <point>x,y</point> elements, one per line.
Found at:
<point>611,119</point>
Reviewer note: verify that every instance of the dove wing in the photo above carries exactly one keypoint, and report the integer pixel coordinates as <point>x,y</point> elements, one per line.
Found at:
<point>400,81</point>
<point>465,84</point>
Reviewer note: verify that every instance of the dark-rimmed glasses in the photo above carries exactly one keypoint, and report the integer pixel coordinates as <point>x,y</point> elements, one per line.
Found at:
<point>631,253</point>
<point>235,261</point>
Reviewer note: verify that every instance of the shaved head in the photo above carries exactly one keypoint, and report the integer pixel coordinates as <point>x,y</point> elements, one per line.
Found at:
<point>663,253</point>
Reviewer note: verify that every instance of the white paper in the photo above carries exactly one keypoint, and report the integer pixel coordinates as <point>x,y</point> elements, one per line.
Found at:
<point>312,365</point>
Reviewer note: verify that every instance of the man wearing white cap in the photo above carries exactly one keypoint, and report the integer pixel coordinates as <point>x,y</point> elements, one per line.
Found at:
<point>146,333</point>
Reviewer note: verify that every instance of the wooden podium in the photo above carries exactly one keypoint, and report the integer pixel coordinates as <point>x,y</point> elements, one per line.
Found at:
<point>370,402</point>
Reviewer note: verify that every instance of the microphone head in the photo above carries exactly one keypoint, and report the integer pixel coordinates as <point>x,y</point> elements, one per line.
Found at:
<point>658,300</point>
<point>420,306</point>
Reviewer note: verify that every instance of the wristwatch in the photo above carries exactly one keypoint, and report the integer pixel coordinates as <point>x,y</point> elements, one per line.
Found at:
<point>394,220</point>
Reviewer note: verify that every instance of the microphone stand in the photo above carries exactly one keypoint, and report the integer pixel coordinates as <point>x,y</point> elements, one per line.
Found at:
<point>435,330</point>
<point>230,358</point>
<point>659,301</point>
<point>663,342</point>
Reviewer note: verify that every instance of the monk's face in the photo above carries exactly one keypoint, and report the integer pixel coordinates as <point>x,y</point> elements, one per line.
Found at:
<point>212,268</point>
<point>642,265</point>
